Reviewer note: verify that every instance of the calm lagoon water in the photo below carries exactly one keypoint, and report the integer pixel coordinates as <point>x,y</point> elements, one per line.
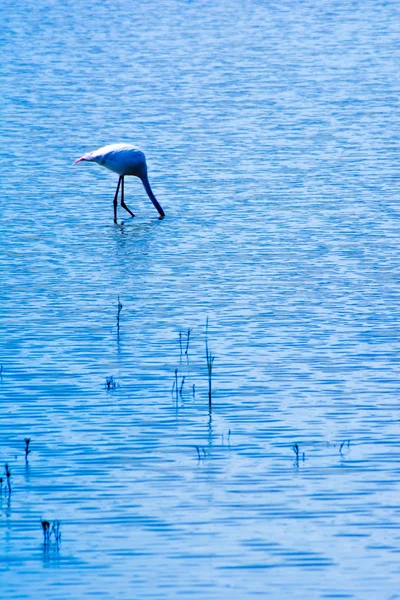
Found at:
<point>271,131</point>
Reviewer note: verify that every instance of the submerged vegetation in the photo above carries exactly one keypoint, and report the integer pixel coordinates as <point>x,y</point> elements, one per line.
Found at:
<point>177,389</point>
<point>52,529</point>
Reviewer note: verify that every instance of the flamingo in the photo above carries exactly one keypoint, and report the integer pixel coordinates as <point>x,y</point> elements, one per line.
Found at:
<point>123,159</point>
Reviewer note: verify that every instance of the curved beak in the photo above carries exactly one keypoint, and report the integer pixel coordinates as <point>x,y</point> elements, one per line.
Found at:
<point>78,160</point>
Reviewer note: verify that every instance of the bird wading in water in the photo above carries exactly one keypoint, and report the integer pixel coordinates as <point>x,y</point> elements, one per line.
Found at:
<point>123,159</point>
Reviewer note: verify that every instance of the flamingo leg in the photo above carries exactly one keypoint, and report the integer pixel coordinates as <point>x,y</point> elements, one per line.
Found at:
<point>116,198</point>
<point>122,199</point>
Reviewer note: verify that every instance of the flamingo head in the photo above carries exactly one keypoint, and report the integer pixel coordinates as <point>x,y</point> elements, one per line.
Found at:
<point>86,157</point>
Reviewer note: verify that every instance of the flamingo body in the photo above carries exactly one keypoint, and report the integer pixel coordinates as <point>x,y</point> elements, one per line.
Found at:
<point>123,159</point>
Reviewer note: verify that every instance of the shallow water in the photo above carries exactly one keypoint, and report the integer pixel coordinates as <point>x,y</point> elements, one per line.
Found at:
<point>271,136</point>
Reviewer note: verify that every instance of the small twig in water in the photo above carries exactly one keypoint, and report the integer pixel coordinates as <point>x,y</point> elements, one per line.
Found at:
<point>176,384</point>
<point>210,361</point>
<point>296,450</point>
<point>187,341</point>
<point>199,451</point>
<point>49,530</point>
<point>46,531</point>
<point>181,388</point>
<point>194,390</point>
<point>342,445</point>
<point>27,451</point>
<point>55,530</point>
<point>8,475</point>
<point>111,384</point>
<point>180,341</point>
<point>119,308</point>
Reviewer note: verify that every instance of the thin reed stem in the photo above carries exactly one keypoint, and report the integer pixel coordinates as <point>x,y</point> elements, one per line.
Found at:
<point>27,451</point>
<point>8,476</point>
<point>210,360</point>
<point>119,308</point>
<point>187,341</point>
<point>176,384</point>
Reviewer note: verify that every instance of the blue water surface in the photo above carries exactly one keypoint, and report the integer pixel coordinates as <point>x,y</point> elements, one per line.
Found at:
<point>271,135</point>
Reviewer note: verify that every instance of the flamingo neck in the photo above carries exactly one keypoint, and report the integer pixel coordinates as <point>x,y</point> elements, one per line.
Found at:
<point>146,184</point>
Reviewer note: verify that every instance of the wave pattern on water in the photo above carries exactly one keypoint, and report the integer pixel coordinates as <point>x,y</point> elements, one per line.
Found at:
<point>270,132</point>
